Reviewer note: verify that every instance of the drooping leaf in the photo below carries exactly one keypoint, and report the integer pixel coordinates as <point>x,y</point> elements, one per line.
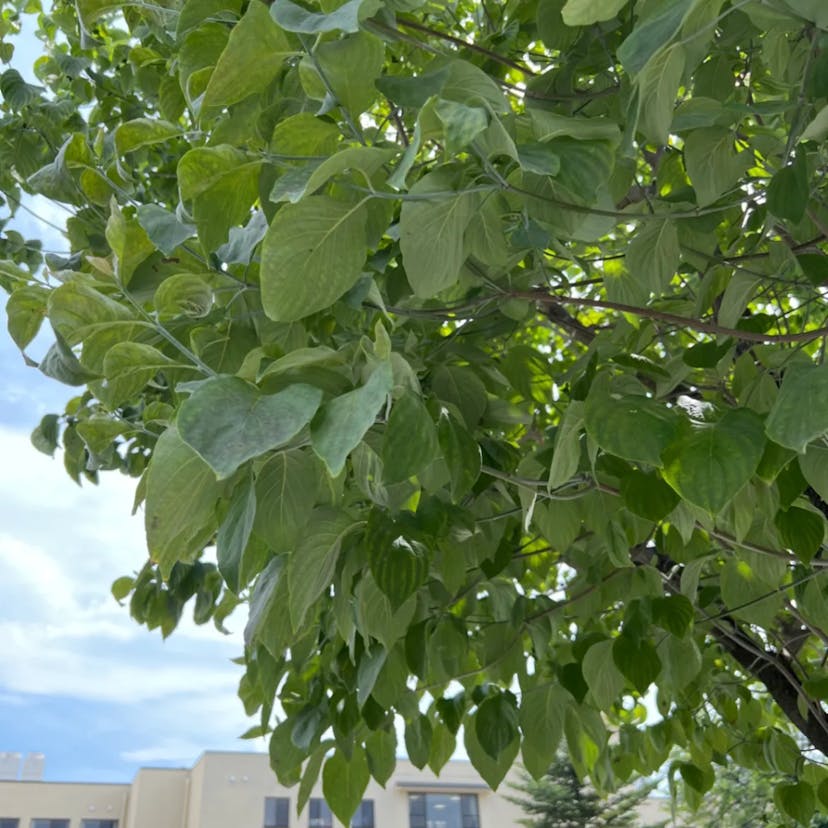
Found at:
<point>312,253</point>
<point>311,565</point>
<point>431,234</point>
<point>711,463</point>
<point>800,413</point>
<point>250,60</point>
<point>344,780</point>
<point>180,502</point>
<point>228,421</point>
<point>343,421</point>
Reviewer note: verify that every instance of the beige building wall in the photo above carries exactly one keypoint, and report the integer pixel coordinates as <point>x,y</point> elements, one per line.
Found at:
<point>228,790</point>
<point>56,800</point>
<point>157,798</point>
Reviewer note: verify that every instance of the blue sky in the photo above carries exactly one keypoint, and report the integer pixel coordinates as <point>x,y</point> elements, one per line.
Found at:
<point>79,680</point>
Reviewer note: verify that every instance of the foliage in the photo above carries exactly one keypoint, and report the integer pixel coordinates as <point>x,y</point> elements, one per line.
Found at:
<point>483,340</point>
<point>741,799</point>
<point>559,800</point>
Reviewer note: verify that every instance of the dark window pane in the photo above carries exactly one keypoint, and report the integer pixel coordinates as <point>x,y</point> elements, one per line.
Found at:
<point>443,811</point>
<point>99,823</point>
<point>364,816</point>
<point>470,814</point>
<point>50,823</point>
<point>9,822</point>
<point>320,814</point>
<point>277,810</point>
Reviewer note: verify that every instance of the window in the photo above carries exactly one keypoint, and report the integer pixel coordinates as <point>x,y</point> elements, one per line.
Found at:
<point>277,810</point>
<point>50,823</point>
<point>364,816</point>
<point>320,814</point>
<point>443,811</point>
<point>9,822</point>
<point>99,823</point>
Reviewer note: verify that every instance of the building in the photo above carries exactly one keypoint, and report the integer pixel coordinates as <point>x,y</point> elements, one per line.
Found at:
<point>238,790</point>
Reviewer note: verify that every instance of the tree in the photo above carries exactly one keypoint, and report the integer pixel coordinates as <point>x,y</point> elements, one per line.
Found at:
<point>742,799</point>
<point>560,800</point>
<point>484,341</point>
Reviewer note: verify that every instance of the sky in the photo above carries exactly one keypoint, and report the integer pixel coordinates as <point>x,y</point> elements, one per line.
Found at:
<point>79,680</point>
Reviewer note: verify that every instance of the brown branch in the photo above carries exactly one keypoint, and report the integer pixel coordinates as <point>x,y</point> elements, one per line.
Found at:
<point>673,318</point>
<point>775,671</point>
<point>473,47</point>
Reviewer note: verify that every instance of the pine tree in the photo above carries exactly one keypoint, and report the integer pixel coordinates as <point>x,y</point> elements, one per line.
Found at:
<point>561,800</point>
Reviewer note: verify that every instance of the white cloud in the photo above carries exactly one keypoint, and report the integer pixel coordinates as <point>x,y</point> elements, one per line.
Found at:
<point>65,636</point>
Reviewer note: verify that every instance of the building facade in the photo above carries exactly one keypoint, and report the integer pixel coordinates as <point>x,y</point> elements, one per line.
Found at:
<point>238,790</point>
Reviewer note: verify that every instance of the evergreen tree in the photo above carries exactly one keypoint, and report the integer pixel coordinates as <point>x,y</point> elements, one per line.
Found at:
<point>561,800</point>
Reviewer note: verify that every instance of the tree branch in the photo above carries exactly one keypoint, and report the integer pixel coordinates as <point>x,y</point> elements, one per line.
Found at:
<point>673,318</point>
<point>775,671</point>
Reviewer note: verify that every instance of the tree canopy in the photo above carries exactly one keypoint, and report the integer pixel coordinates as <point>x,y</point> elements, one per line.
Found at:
<point>484,341</point>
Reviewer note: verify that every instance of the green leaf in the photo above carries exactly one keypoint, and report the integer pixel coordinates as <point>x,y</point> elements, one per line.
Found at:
<point>461,454</point>
<point>342,422</point>
<point>637,660</point>
<point>399,567</point>
<point>603,677</point>
<point>228,421</point>
<point>184,294</point>
<point>461,387</point>
<point>681,659</point>
<point>344,780</point>
<point>496,723</point>
<point>647,495</point>
<point>143,132</point>
<point>567,455</point>
<point>708,465</point>
<point>801,530</point>
<point>461,123</point>
<point>366,160</point>
<point>310,775</point>
<point>493,771</point>
<point>418,734</point>
<point>749,595</point>
<point>222,183</point>
<point>814,466</point>
<point>312,253</point>
<point>542,711</point>
<point>410,443</point>
<point>293,18</point>
<point>652,34</point>
<point>45,435</point>
<point>658,86</point>
<point>311,566</point>
<point>250,61</point>
<point>800,413</point>
<point>673,613</point>
<point>25,311</point>
<point>350,66</point>
<point>431,233</point>
<point>788,191</point>
<point>712,163</point>
<point>163,228</point>
<point>181,497</point>
<point>549,125</point>
<point>381,750</point>
<point>234,532</point>
<point>654,255</point>
<point>286,491</point>
<point>796,799</point>
<point>632,427</point>
<point>129,366</point>
<point>129,242</point>
<point>587,12</point>
<point>443,746</point>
